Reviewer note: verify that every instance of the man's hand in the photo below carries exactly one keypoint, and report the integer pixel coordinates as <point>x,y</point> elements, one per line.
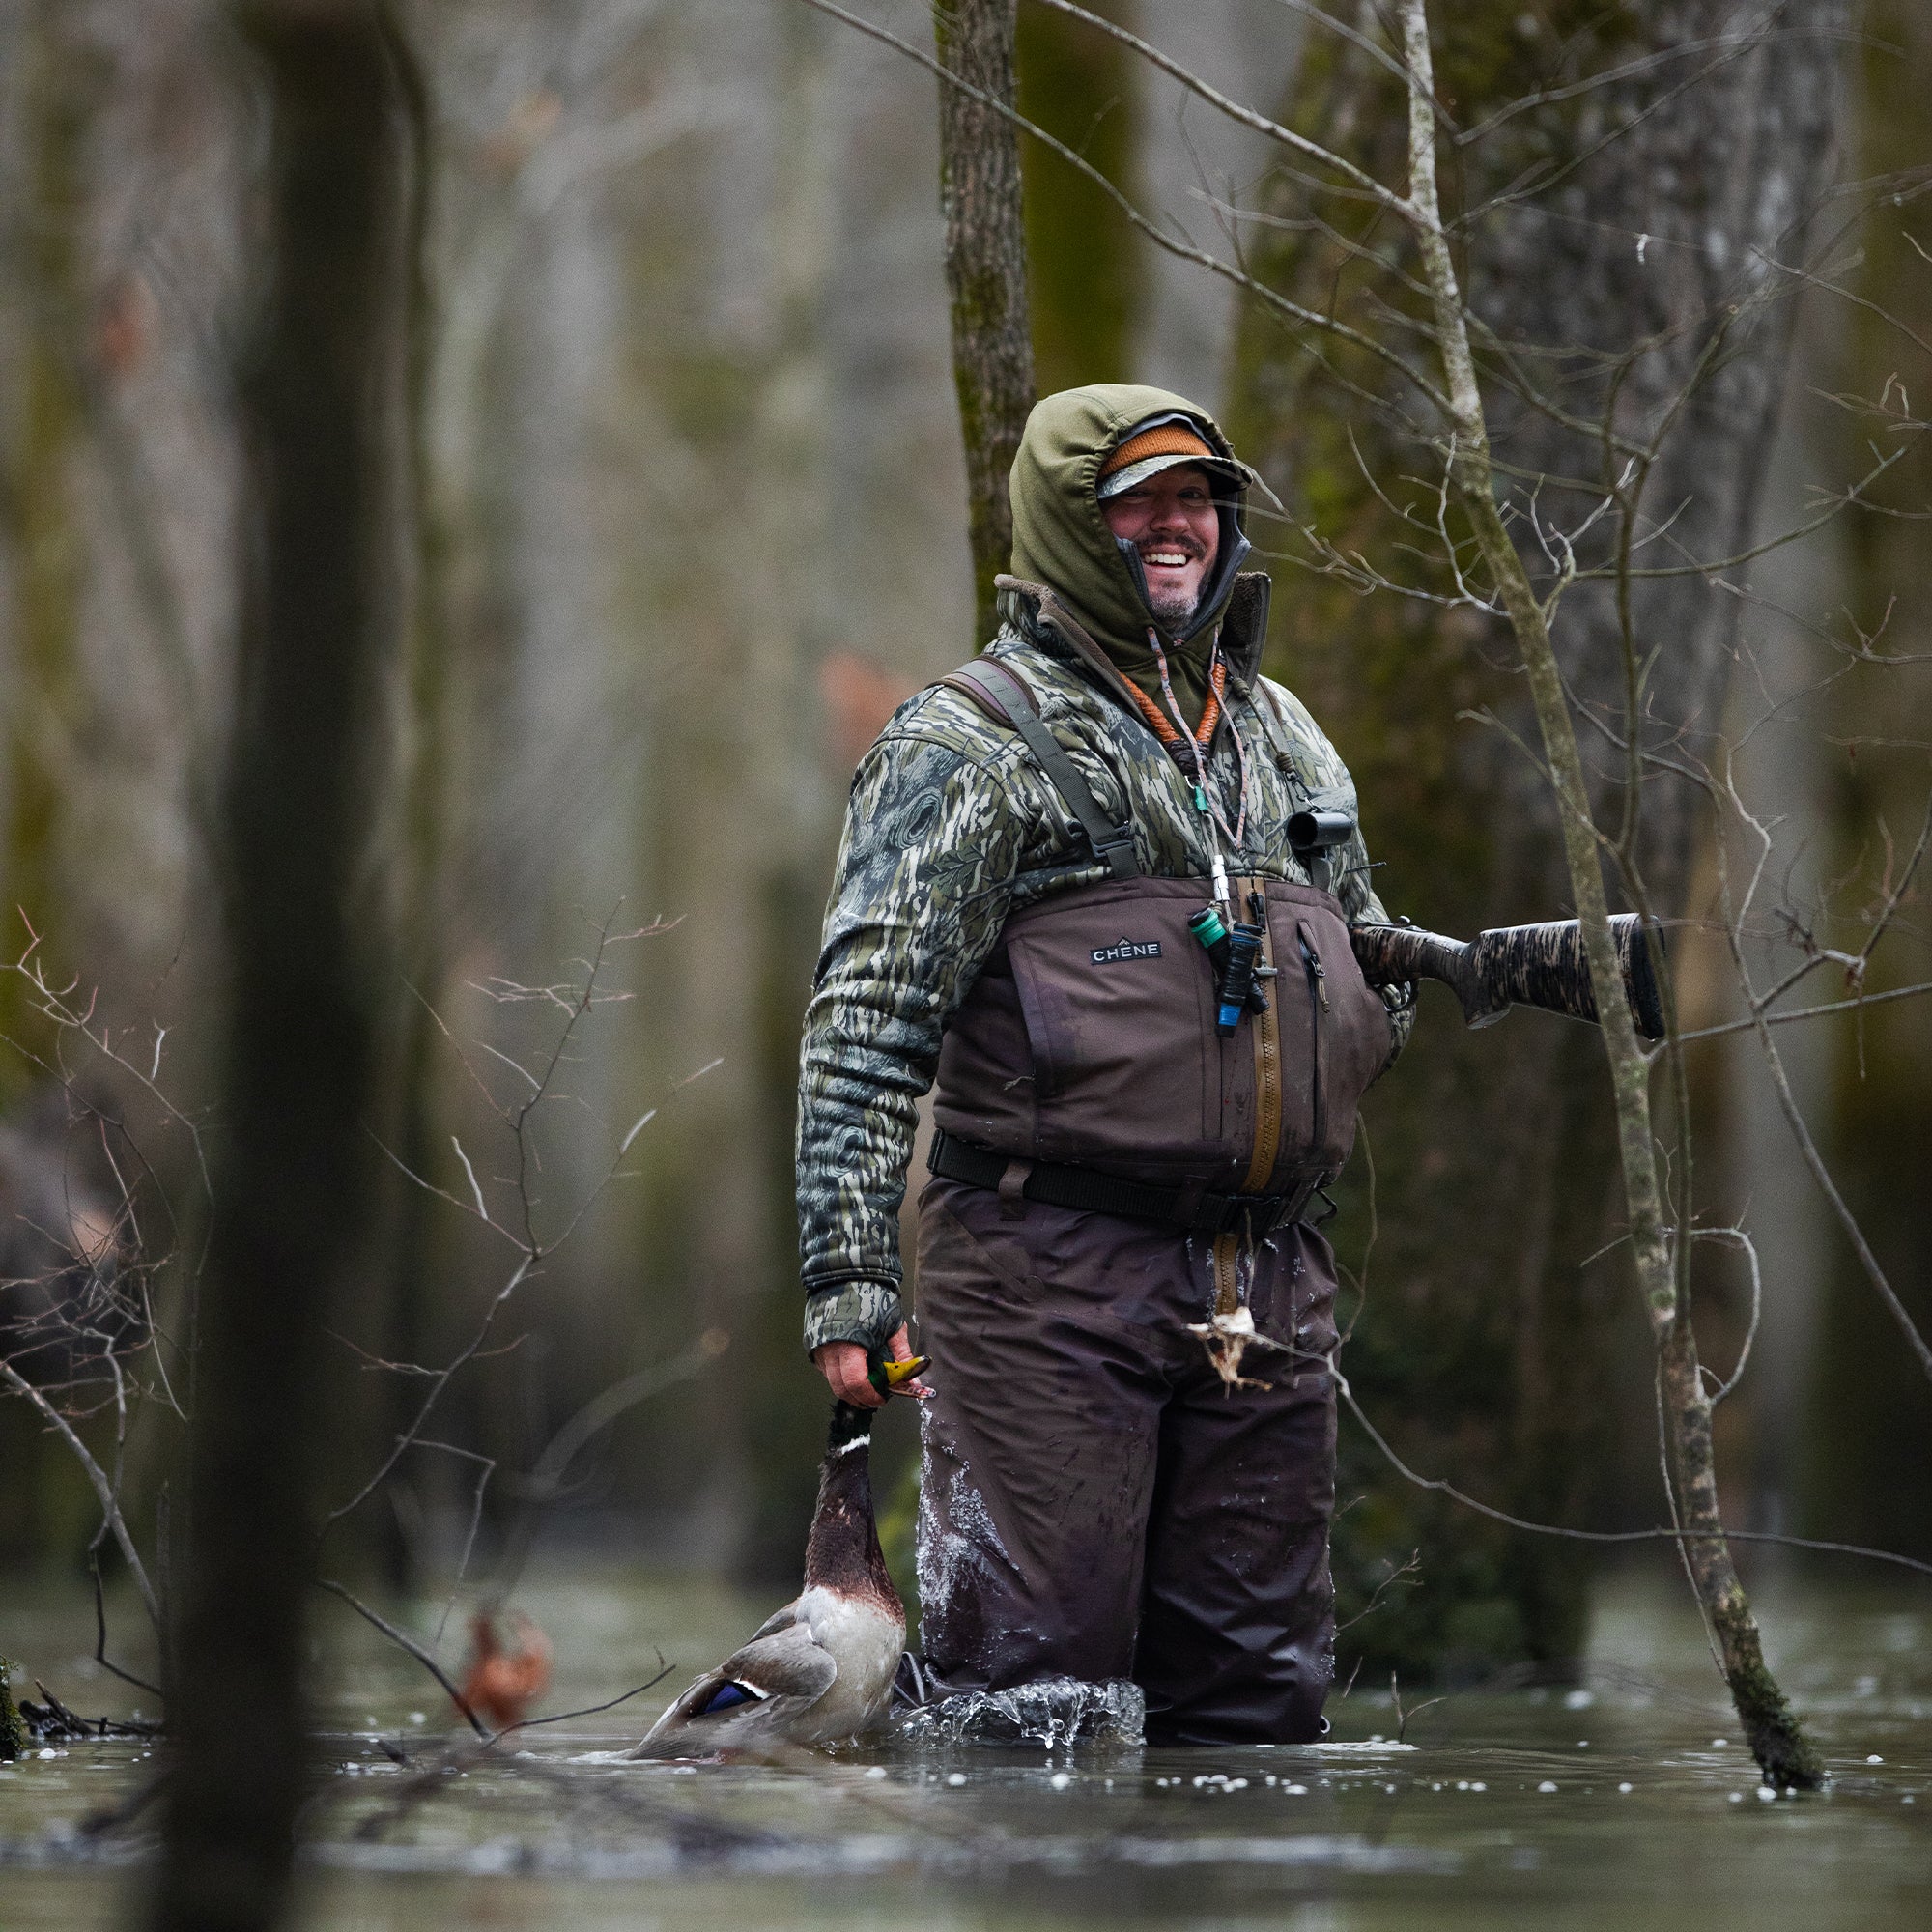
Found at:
<point>843,1366</point>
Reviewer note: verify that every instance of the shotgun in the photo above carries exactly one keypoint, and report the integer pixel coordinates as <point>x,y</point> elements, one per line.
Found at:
<point>1513,966</point>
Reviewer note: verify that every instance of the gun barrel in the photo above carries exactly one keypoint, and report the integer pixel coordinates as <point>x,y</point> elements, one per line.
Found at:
<point>1515,965</point>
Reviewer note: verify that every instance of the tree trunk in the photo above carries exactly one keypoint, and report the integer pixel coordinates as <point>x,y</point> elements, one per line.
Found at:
<point>1870,1396</point>
<point>985,275</point>
<point>64,77</point>
<point>1783,1753</point>
<point>317,390</point>
<point>47,218</point>
<point>1087,302</point>
<point>1494,1150</point>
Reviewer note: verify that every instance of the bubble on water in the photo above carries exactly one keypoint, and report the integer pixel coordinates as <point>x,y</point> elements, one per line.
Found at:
<point>1548,1784</point>
<point>1737,1796</point>
<point>1624,1788</point>
<point>1060,1780</point>
<point>1873,1760</point>
<point>1767,1794</point>
<point>1578,1700</point>
<point>1718,1743</point>
<point>1296,1790</point>
<point>876,1771</point>
<point>50,1754</point>
<point>1052,1711</point>
<point>1479,1786</point>
<point>955,1779</point>
<point>1582,1744</point>
<point>418,1718</point>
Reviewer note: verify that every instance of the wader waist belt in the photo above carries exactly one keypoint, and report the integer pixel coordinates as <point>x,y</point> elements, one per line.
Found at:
<point>1089,1191</point>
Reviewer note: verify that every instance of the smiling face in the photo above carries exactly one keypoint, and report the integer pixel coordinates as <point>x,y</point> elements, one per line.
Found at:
<point>1171,521</point>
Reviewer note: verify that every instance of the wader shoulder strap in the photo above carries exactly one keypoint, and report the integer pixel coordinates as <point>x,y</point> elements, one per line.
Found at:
<point>1002,693</point>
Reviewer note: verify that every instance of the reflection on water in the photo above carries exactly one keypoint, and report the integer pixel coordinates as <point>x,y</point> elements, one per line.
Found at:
<point>1623,1802</point>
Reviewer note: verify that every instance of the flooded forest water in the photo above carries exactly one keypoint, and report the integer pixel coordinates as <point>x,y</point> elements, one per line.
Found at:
<point>1627,1799</point>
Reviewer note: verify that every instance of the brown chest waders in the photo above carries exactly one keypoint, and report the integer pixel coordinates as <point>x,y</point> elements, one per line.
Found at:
<point>1097,1502</point>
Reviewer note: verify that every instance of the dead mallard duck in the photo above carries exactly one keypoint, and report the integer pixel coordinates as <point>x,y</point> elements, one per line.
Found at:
<point>821,1667</point>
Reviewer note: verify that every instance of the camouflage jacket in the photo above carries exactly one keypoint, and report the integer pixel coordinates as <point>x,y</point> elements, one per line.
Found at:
<point>952,826</point>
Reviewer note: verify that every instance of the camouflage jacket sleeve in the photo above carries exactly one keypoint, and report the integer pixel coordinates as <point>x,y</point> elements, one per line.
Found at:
<point>932,843</point>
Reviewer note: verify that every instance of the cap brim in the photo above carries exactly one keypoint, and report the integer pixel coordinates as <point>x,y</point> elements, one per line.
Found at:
<point>1127,478</point>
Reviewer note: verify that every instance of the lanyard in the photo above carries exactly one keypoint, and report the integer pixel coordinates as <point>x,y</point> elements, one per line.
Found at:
<point>1175,736</point>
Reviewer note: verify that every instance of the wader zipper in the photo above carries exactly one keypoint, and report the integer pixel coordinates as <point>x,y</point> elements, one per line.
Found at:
<point>1317,1005</point>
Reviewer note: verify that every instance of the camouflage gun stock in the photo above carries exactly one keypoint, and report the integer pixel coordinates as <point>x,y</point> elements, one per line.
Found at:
<point>1513,966</point>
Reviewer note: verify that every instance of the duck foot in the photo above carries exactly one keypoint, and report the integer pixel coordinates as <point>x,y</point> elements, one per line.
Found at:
<point>1227,1338</point>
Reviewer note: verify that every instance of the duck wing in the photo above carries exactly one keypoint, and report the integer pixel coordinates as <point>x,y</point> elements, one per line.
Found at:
<point>780,1673</point>
<point>779,1619</point>
<point>789,1662</point>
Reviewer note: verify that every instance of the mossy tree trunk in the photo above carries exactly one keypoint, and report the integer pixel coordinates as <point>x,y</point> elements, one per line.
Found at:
<point>985,275</point>
<point>50,216</point>
<point>1079,85</point>
<point>46,524</point>
<point>1487,1342</point>
<point>1041,282</point>
<point>1871,1394</point>
<point>1784,1754</point>
<point>12,1732</point>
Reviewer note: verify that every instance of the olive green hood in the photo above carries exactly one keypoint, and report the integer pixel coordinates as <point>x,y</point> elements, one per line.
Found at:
<point>1061,538</point>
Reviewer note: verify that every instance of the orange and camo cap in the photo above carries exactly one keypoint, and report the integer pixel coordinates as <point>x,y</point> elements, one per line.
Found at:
<point>1156,446</point>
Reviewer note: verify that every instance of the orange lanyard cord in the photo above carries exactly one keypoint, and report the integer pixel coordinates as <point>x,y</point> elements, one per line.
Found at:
<point>1210,715</point>
<point>1195,747</point>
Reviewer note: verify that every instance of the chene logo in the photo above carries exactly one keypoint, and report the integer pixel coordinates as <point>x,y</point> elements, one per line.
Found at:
<point>1127,949</point>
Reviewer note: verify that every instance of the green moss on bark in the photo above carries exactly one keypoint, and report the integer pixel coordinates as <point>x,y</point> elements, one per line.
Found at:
<point>45,527</point>
<point>12,1732</point>
<point>1483,1345</point>
<point>1082,258</point>
<point>1784,1754</point>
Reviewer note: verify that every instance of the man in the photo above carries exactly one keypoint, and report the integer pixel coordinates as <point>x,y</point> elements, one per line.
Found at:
<point>1118,1480</point>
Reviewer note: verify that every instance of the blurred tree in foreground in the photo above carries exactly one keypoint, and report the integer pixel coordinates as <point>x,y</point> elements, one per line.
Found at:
<point>317,387</point>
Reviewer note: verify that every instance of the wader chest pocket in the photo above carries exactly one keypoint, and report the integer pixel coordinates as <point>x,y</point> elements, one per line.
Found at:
<point>1117,1005</point>
<point>1335,1029</point>
<point>1090,1039</point>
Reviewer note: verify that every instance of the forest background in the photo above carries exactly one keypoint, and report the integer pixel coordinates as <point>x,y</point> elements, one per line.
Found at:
<point>688,521</point>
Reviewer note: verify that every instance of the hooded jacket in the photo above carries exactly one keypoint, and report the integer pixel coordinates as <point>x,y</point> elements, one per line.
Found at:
<point>951,828</point>
<point>1060,536</point>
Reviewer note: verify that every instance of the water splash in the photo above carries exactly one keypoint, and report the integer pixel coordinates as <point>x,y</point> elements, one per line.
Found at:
<point>1051,1711</point>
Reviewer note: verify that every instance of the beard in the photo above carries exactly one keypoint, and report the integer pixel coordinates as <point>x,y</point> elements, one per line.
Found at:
<point>1173,605</point>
